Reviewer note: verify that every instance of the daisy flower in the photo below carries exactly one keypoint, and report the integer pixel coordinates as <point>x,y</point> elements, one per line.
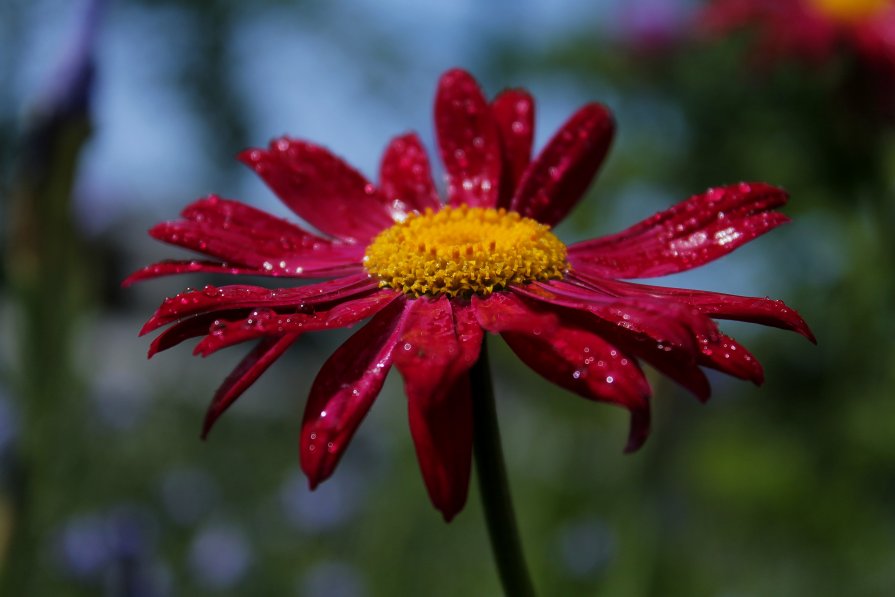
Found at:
<point>432,277</point>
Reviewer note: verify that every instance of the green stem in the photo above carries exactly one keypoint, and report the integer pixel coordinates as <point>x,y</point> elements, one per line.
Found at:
<point>493,485</point>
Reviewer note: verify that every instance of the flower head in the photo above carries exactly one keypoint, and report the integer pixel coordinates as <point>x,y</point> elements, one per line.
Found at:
<point>433,277</point>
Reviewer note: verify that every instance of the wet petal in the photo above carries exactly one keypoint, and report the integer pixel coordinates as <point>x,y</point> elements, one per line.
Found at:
<point>656,336</point>
<point>173,267</point>
<point>469,332</point>
<point>428,349</point>
<point>406,178</point>
<point>514,113</point>
<point>213,298</point>
<point>345,389</point>
<point>729,356</point>
<point>468,141</point>
<point>244,237</point>
<point>587,365</point>
<point>662,320</point>
<point>429,357</point>
<point>697,231</point>
<point>191,327</point>
<point>321,188</point>
<point>504,312</point>
<point>244,375</point>
<point>764,311</point>
<point>559,176</point>
<point>265,322</point>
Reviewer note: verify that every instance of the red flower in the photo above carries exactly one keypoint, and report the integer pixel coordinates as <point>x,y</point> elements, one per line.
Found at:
<point>434,277</point>
<point>812,30</point>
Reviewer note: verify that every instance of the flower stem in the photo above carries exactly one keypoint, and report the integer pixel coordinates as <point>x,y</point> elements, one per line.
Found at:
<point>493,484</point>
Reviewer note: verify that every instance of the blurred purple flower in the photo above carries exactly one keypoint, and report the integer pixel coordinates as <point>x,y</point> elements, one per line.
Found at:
<point>332,579</point>
<point>220,556</point>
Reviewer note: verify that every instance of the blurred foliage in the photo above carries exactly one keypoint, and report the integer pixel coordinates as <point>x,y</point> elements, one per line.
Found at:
<point>787,490</point>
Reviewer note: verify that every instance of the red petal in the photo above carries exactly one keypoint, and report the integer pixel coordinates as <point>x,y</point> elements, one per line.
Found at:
<point>514,113</point>
<point>469,333</point>
<point>468,140</point>
<point>243,236</point>
<point>244,375</point>
<point>587,365</point>
<point>560,175</point>
<point>266,322</point>
<point>321,188</point>
<point>345,389</point>
<point>428,349</point>
<point>442,436</point>
<point>405,176</point>
<point>729,356</point>
<point>569,356</point>
<point>697,231</point>
<point>759,310</point>
<point>655,336</point>
<point>212,298</point>
<point>428,356</point>
<point>190,327</point>
<point>662,320</point>
<point>173,267</point>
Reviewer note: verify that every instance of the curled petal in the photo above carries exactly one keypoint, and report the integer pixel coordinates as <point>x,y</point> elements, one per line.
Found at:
<point>321,188</point>
<point>265,322</point>
<point>280,268</point>
<point>468,140</point>
<point>344,390</point>
<point>191,327</point>
<point>213,298</point>
<point>697,231</point>
<point>730,357</point>
<point>514,113</point>
<point>718,305</point>
<point>559,176</point>
<point>405,176</point>
<point>244,375</point>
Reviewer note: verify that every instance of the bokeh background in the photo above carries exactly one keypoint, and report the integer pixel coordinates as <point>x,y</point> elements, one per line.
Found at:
<point>115,114</point>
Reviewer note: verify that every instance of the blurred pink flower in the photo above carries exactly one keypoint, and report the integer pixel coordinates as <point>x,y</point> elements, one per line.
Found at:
<point>433,277</point>
<point>812,30</point>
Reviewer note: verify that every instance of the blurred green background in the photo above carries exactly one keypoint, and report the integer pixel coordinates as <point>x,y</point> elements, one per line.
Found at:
<point>114,115</point>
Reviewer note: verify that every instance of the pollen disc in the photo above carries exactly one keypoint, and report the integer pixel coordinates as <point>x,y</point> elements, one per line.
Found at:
<point>463,251</point>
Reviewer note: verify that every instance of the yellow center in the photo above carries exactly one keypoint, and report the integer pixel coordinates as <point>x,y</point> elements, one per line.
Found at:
<point>464,251</point>
<point>849,11</point>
